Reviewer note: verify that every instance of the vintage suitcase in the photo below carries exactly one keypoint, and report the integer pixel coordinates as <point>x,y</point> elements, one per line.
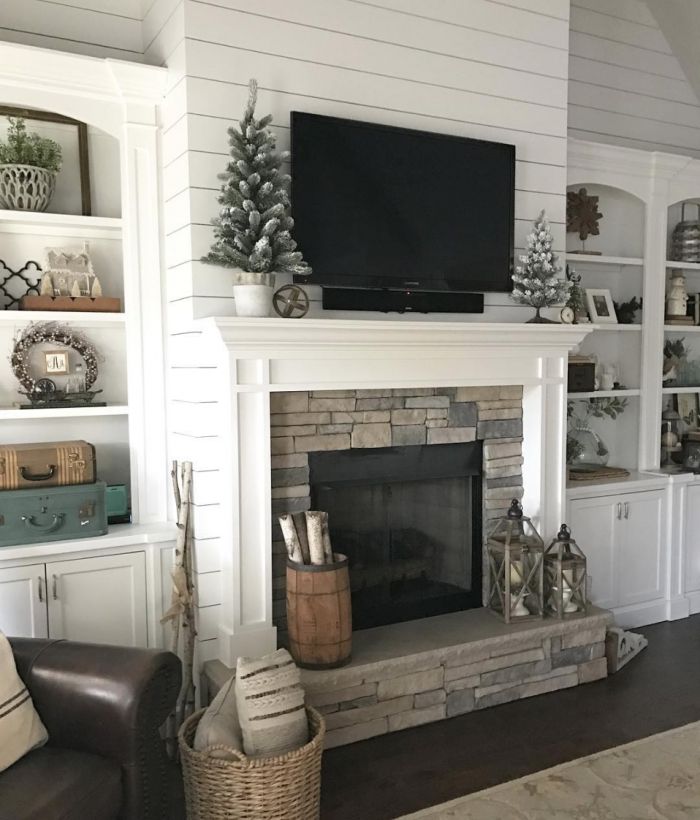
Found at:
<point>52,464</point>
<point>52,514</point>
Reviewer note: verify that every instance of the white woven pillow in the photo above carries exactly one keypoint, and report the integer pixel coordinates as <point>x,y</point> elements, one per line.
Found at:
<point>219,725</point>
<point>270,705</point>
<point>21,729</point>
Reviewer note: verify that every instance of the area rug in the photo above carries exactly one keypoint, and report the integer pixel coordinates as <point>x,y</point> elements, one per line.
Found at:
<point>657,778</point>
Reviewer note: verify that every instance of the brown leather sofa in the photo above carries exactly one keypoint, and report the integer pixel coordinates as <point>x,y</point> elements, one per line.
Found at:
<point>102,707</point>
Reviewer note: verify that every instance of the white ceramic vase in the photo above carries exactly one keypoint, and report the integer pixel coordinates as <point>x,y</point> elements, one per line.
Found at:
<point>26,187</point>
<point>253,293</point>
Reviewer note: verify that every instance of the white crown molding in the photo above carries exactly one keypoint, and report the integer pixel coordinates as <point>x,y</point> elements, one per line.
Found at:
<point>47,70</point>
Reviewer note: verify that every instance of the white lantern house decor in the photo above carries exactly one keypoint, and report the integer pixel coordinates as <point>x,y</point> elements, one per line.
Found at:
<point>516,567</point>
<point>565,577</point>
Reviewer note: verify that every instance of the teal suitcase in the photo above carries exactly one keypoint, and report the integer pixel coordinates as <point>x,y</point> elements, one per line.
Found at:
<point>52,514</point>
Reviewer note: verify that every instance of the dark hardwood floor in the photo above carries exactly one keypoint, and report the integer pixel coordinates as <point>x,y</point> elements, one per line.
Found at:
<point>406,771</point>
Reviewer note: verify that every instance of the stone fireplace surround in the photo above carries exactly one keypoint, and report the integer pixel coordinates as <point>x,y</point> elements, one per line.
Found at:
<point>306,421</point>
<point>412,667</point>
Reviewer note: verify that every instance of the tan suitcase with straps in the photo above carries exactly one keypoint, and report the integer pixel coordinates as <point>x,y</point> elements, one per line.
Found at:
<point>52,464</point>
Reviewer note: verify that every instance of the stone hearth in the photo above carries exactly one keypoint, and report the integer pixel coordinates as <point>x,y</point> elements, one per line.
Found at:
<point>303,422</point>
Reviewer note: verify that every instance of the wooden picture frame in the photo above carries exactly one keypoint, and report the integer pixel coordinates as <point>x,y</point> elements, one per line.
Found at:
<point>687,407</point>
<point>600,306</point>
<point>56,362</point>
<point>83,161</point>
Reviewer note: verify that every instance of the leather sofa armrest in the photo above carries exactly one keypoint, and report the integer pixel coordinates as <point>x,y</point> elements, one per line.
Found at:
<point>107,700</point>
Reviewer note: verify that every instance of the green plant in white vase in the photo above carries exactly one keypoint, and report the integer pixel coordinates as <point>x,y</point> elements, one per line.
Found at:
<point>253,229</point>
<point>29,165</point>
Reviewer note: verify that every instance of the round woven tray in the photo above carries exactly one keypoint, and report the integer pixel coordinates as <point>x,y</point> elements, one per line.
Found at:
<point>272,788</point>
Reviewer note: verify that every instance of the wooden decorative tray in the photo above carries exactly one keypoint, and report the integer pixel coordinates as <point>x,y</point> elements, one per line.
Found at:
<point>87,304</point>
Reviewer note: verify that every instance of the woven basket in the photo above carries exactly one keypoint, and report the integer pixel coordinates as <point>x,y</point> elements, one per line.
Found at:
<point>26,187</point>
<point>272,788</point>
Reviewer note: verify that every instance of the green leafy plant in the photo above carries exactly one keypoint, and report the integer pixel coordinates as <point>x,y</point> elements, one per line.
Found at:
<point>253,229</point>
<point>597,408</point>
<point>21,148</point>
<point>626,311</point>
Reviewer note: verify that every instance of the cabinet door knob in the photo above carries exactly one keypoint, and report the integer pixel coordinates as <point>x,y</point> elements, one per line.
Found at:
<point>40,581</point>
<point>627,509</point>
<point>54,587</point>
<point>619,510</point>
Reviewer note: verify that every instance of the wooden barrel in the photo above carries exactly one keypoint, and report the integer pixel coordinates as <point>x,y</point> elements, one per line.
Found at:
<point>319,613</point>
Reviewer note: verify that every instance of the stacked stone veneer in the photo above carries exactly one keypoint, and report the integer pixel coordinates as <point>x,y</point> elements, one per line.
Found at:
<point>368,700</point>
<point>303,422</point>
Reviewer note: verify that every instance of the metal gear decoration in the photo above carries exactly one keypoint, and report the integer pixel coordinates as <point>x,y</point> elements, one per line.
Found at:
<point>291,302</point>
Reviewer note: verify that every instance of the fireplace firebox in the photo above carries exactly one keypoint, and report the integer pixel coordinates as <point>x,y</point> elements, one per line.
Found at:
<point>409,519</point>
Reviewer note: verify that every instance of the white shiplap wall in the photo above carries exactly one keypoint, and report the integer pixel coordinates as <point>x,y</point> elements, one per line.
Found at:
<point>625,85</point>
<point>487,69</point>
<point>490,69</point>
<point>108,28</point>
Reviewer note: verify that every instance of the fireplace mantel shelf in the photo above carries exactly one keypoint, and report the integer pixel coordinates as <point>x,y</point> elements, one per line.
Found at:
<point>285,337</point>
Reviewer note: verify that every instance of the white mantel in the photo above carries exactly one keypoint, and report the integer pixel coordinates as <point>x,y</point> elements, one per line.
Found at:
<point>255,357</point>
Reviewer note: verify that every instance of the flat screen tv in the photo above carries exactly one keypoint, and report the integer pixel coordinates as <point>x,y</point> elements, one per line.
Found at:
<point>379,207</point>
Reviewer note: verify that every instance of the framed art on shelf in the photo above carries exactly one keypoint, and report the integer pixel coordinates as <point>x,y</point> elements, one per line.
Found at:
<point>600,306</point>
<point>687,407</point>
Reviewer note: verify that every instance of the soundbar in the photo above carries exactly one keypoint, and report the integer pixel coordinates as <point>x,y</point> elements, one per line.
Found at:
<point>402,301</point>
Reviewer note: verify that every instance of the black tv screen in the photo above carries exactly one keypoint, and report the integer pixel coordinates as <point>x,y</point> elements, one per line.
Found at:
<point>382,207</point>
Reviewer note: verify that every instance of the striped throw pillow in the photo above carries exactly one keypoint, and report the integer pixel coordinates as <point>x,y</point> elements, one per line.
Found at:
<point>21,729</point>
<point>270,703</point>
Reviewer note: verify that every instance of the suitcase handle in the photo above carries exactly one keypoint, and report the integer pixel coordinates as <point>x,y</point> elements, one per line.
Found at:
<point>55,524</point>
<point>27,476</point>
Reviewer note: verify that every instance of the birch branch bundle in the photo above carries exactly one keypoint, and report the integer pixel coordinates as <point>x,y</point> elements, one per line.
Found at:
<point>307,537</point>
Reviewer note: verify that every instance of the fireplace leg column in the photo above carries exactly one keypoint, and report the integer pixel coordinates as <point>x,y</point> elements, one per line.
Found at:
<point>246,626</point>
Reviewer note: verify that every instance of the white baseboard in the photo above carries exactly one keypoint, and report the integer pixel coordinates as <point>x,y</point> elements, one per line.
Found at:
<point>630,617</point>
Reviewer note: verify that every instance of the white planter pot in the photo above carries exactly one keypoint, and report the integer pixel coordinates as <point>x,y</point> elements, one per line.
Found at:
<point>26,187</point>
<point>253,293</point>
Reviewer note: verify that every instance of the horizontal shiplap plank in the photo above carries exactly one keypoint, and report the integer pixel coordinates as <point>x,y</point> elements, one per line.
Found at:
<point>185,382</point>
<point>30,38</point>
<point>304,83</point>
<point>207,620</point>
<point>162,29</point>
<point>636,11</point>
<point>620,54</point>
<point>204,452</point>
<point>621,102</point>
<point>207,553</point>
<point>653,134</point>
<point>305,72</point>
<point>551,8</point>
<point>330,28</point>
<point>586,21</point>
<point>637,83</point>
<point>484,15</point>
<point>75,25</point>
<point>208,585</point>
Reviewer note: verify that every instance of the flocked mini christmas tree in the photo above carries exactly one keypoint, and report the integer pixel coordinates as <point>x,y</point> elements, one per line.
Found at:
<point>536,282</point>
<point>253,228</point>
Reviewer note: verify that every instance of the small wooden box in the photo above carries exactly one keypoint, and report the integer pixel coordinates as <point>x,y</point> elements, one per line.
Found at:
<point>581,377</point>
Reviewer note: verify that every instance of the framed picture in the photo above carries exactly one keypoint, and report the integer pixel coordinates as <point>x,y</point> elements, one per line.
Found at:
<point>56,362</point>
<point>600,306</point>
<point>687,406</point>
<point>30,114</point>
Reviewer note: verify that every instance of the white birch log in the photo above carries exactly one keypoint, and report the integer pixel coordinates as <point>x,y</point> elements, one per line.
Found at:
<point>327,548</point>
<point>314,530</point>
<point>300,526</point>
<point>291,539</point>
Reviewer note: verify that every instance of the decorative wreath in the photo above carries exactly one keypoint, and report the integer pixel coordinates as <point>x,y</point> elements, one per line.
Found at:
<point>55,333</point>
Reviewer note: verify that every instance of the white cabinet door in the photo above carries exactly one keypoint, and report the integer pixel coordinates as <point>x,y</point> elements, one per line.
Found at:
<point>593,525</point>
<point>100,600</point>
<point>691,539</point>
<point>23,602</point>
<point>640,568</point>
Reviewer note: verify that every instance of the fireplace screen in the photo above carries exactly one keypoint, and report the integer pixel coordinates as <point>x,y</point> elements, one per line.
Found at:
<point>409,520</point>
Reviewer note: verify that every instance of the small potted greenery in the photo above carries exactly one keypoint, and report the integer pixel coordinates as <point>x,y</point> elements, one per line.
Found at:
<point>253,230</point>
<point>29,165</point>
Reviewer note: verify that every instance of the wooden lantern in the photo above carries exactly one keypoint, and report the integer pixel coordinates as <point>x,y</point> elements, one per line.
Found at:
<point>565,577</point>
<point>516,567</point>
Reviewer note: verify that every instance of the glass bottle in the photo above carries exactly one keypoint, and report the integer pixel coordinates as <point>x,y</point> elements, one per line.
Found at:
<point>76,382</point>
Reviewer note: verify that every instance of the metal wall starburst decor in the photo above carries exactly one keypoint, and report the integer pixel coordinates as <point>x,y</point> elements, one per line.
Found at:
<point>582,214</point>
